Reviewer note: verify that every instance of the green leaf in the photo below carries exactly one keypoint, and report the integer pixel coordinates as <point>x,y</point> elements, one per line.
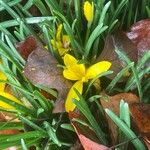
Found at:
<point>84,109</point>
<point>94,35</point>
<point>18,107</point>
<point>24,147</point>
<point>11,125</point>
<point>52,133</point>
<point>118,77</point>
<point>126,130</point>
<point>31,20</point>
<point>10,4</point>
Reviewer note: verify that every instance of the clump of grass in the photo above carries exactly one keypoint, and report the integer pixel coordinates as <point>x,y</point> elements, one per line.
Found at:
<point>41,128</point>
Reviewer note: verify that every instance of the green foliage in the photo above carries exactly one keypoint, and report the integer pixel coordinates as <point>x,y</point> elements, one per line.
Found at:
<point>41,127</point>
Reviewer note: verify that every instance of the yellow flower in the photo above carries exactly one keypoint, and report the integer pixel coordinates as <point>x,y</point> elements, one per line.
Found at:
<point>2,77</point>
<point>4,105</point>
<point>78,72</point>
<point>88,11</point>
<point>62,42</point>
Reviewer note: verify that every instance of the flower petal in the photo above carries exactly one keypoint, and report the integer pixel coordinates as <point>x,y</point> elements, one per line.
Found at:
<point>73,70</point>
<point>97,69</point>
<point>69,105</point>
<point>69,60</point>
<point>2,77</point>
<point>88,11</point>
<point>71,74</point>
<point>9,96</point>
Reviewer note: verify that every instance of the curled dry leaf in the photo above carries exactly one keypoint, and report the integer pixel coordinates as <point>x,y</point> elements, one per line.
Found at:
<point>86,136</point>
<point>27,46</point>
<point>41,69</point>
<point>141,117</point>
<point>122,42</point>
<point>140,35</point>
<point>113,103</point>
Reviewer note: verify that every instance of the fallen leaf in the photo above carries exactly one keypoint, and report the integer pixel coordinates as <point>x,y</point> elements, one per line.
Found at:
<point>141,116</point>
<point>87,143</point>
<point>90,145</point>
<point>27,46</point>
<point>122,42</point>
<point>113,103</point>
<point>86,136</point>
<point>41,69</point>
<point>140,35</point>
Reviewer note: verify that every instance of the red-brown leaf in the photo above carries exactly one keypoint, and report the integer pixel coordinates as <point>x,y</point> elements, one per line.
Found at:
<point>122,42</point>
<point>86,136</point>
<point>141,116</point>
<point>87,143</point>
<point>41,69</point>
<point>140,35</point>
<point>26,47</point>
<point>113,103</point>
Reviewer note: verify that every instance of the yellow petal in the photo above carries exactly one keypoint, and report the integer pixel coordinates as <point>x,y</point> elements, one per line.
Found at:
<point>58,33</point>
<point>73,70</point>
<point>2,77</point>
<point>97,69</point>
<point>69,60</point>
<point>88,11</point>
<point>69,105</point>
<point>9,96</point>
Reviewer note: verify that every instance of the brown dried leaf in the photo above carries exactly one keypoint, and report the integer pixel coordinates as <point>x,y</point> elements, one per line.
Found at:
<point>122,42</point>
<point>140,35</point>
<point>113,103</point>
<point>90,145</point>
<point>86,136</point>
<point>87,143</point>
<point>27,46</point>
<point>41,69</point>
<point>141,116</point>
